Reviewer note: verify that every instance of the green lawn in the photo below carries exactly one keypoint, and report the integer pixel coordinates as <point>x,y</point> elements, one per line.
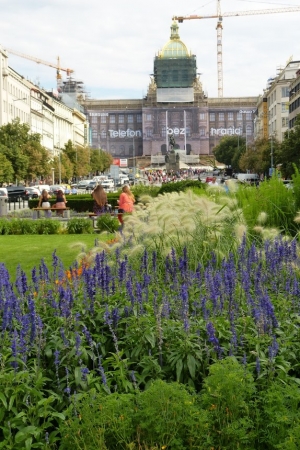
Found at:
<point>28,250</point>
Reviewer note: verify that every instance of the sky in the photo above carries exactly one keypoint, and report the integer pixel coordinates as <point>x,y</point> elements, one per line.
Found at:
<point>111,44</point>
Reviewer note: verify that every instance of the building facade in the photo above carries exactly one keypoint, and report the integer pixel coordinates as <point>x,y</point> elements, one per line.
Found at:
<point>45,113</point>
<point>175,105</point>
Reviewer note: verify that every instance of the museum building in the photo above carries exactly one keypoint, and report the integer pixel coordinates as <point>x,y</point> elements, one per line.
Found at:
<point>176,105</point>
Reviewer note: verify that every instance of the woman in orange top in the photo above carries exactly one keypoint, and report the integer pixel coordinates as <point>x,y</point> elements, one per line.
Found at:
<point>126,201</point>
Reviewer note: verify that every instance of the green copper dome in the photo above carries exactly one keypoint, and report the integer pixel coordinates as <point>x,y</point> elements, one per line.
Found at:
<point>175,48</point>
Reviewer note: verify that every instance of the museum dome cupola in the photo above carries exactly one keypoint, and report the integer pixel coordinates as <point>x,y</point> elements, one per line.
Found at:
<point>174,48</point>
<point>175,70</point>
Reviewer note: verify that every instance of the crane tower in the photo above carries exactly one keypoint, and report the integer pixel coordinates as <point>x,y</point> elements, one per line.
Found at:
<point>46,63</point>
<point>219,29</point>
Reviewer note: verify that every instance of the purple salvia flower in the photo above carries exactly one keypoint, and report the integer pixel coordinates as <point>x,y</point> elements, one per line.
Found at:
<point>212,338</point>
<point>65,340</point>
<point>32,315</point>
<point>43,271</point>
<point>115,317</point>
<point>154,262</point>
<point>77,344</point>
<point>88,336</point>
<point>144,266</point>
<point>84,372</point>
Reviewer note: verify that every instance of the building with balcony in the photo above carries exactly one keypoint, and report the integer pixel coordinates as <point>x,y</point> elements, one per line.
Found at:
<point>44,112</point>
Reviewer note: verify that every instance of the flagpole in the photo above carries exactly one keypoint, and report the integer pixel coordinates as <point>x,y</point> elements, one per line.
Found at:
<point>184,121</point>
<point>167,132</point>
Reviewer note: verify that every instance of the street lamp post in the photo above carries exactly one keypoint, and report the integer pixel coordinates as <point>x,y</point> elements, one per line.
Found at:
<point>59,165</point>
<point>53,169</point>
<point>272,156</point>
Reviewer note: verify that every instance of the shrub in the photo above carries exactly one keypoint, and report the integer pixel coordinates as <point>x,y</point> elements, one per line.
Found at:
<point>47,226</point>
<point>180,186</point>
<point>106,222</point>
<point>80,226</point>
<point>4,226</point>
<point>164,416</point>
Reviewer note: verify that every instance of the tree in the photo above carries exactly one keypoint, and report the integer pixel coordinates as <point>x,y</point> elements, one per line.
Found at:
<point>79,158</point>
<point>257,157</point>
<point>6,170</point>
<point>39,160</point>
<point>100,161</point>
<point>229,150</point>
<point>288,153</point>
<point>23,150</point>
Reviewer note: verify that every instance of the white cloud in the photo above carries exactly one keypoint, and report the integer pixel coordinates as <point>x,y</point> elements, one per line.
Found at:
<point>111,45</point>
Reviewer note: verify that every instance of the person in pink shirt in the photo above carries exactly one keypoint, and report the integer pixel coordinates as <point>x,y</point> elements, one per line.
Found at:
<point>126,201</point>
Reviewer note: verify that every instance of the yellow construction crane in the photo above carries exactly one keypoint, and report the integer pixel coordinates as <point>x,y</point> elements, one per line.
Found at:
<point>45,63</point>
<point>219,29</point>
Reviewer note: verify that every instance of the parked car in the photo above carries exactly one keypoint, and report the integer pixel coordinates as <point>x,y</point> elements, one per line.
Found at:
<point>3,192</point>
<point>83,184</point>
<point>17,193</point>
<point>108,185</point>
<point>55,188</point>
<point>33,192</point>
<point>91,185</point>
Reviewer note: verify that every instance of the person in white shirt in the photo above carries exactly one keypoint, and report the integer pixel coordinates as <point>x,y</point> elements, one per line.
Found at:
<point>213,182</point>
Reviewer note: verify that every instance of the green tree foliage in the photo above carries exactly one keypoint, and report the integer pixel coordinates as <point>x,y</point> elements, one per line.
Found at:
<point>6,169</point>
<point>257,157</point>
<point>23,150</point>
<point>289,151</point>
<point>229,150</point>
<point>100,160</point>
<point>77,159</point>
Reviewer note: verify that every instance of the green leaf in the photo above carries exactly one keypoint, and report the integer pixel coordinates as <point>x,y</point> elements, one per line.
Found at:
<point>22,434</point>
<point>59,415</point>
<point>179,366</point>
<point>3,399</point>
<point>150,338</point>
<point>11,402</point>
<point>191,363</point>
<point>28,443</point>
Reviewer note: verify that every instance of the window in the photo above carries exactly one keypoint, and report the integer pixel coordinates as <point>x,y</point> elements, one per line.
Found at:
<point>112,149</point>
<point>103,119</point>
<point>175,75</point>
<point>94,134</point>
<point>103,134</point>
<point>94,119</point>
<point>285,121</point>
<point>112,118</point>
<point>121,118</point>
<point>202,131</point>
<point>149,117</point>
<point>285,92</point>
<point>202,116</point>
<point>230,116</point>
<point>248,116</point>
<point>221,117</point>
<point>148,132</point>
<point>212,117</point>
<point>139,118</point>
<point>284,106</point>
<point>163,131</point>
<point>239,116</point>
<point>130,118</point>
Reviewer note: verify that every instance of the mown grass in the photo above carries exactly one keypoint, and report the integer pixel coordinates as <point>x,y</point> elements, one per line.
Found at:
<point>28,250</point>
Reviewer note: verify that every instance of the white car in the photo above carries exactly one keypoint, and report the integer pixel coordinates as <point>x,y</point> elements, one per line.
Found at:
<point>108,185</point>
<point>3,192</point>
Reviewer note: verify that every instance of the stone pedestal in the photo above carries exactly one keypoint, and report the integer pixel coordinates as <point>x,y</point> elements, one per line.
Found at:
<point>172,161</point>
